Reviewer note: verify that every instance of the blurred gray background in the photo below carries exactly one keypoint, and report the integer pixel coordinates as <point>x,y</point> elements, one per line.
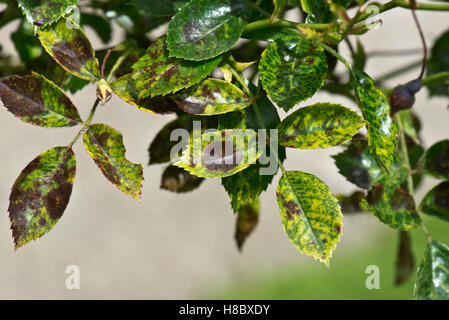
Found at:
<point>172,246</point>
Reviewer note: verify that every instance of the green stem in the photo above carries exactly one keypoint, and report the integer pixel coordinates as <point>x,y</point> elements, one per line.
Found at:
<point>86,124</point>
<point>435,78</point>
<point>336,55</point>
<point>268,23</point>
<point>404,152</point>
<point>117,64</point>
<point>405,4</point>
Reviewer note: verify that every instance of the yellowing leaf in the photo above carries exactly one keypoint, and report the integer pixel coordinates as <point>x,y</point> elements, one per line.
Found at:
<point>321,125</point>
<point>71,49</point>
<point>310,214</point>
<point>105,145</point>
<point>40,194</point>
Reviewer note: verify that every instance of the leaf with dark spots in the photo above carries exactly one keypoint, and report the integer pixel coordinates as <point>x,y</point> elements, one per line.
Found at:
<point>405,262</point>
<point>432,280</point>
<point>246,186</point>
<point>105,145</point>
<point>292,69</point>
<point>376,110</point>
<point>178,180</point>
<point>162,144</point>
<point>351,204</point>
<point>44,12</point>
<point>40,194</point>
<point>436,160</point>
<point>157,74</point>
<point>212,97</point>
<point>218,154</point>
<point>357,165</point>
<point>390,203</point>
<point>321,125</point>
<point>247,220</point>
<point>203,29</point>
<point>436,202</point>
<point>310,214</point>
<point>71,49</point>
<point>125,88</point>
<point>38,101</point>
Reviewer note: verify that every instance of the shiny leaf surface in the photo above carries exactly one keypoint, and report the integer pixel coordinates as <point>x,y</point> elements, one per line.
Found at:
<point>204,29</point>
<point>436,160</point>
<point>292,69</point>
<point>436,202</point>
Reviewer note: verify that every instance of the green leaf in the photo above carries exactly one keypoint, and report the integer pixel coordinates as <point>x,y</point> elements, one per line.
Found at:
<point>436,160</point>
<point>411,124</point>
<point>27,45</point>
<point>204,29</point>
<point>247,220</point>
<point>376,110</point>
<point>71,49</point>
<point>279,6</point>
<point>270,33</point>
<point>359,56</point>
<point>292,69</point>
<point>436,202</point>
<point>99,24</point>
<point>357,165</point>
<point>38,101</point>
<point>218,154</point>
<point>105,145</point>
<point>432,282</point>
<point>390,203</point>
<point>318,10</point>
<point>125,88</point>
<point>246,186</point>
<point>157,74</point>
<point>40,194</point>
<point>321,125</point>
<point>439,62</point>
<point>405,262</point>
<point>159,8</point>
<point>351,204</point>
<point>310,214</point>
<point>211,97</point>
<point>42,13</point>
<point>178,180</point>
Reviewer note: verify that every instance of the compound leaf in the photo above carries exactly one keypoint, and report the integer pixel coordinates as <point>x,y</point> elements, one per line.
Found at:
<point>436,160</point>
<point>125,88</point>
<point>157,74</point>
<point>321,125</point>
<point>357,165</point>
<point>178,180</point>
<point>310,214</point>
<point>40,194</point>
<point>42,13</point>
<point>203,29</point>
<point>376,110</point>
<point>247,219</point>
<point>38,101</point>
<point>71,49</point>
<point>432,282</point>
<point>436,202</point>
<point>105,145</point>
<point>218,154</point>
<point>292,69</point>
<point>212,97</point>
